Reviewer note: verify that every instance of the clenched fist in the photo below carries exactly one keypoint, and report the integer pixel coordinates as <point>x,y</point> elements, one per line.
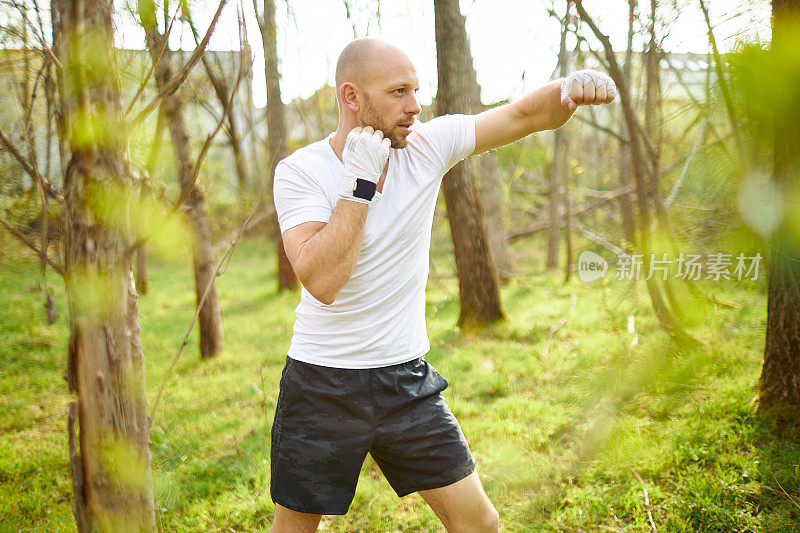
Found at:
<point>364,156</point>
<point>587,87</point>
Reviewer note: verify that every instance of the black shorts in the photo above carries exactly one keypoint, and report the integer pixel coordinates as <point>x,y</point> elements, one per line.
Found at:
<point>327,419</point>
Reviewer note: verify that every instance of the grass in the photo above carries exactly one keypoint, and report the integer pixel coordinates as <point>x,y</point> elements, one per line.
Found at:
<point>569,428</point>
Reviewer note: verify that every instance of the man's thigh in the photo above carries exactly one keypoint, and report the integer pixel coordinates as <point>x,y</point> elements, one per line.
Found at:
<point>320,437</point>
<point>463,506</point>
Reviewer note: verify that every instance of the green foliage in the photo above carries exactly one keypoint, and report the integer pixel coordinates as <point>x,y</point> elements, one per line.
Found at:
<point>561,423</point>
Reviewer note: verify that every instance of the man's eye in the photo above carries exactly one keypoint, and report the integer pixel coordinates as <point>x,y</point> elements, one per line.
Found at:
<point>400,91</point>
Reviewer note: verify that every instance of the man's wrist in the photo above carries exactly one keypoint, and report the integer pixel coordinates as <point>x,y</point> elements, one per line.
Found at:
<point>358,190</point>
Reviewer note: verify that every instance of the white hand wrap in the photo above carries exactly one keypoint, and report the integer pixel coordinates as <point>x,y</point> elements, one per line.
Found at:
<point>585,76</point>
<point>364,156</point>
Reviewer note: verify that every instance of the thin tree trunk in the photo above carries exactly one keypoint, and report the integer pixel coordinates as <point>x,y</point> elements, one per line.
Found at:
<point>110,456</point>
<point>779,385</point>
<point>491,193</point>
<point>559,158</point>
<point>640,171</point>
<point>276,126</point>
<point>567,222</point>
<point>486,174</point>
<point>222,92</point>
<point>653,127</point>
<point>478,282</point>
<point>625,203</point>
<point>210,318</point>
<point>142,278</point>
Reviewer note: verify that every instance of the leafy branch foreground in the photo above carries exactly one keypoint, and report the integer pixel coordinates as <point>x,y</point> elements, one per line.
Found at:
<point>570,425</point>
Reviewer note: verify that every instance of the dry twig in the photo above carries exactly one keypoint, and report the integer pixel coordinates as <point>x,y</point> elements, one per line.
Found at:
<point>183,73</point>
<point>223,262</point>
<point>29,168</point>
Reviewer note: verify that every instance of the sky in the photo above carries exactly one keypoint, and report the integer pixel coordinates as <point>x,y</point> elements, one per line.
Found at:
<point>514,42</point>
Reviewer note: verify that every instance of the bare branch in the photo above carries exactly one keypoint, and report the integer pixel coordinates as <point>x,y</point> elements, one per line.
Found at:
<point>593,123</point>
<point>27,242</point>
<point>207,144</point>
<point>42,42</point>
<point>30,168</point>
<point>153,63</point>
<point>599,239</point>
<point>183,73</point>
<point>218,272</point>
<point>674,192</point>
<point>723,84</point>
<point>196,170</point>
<point>605,197</point>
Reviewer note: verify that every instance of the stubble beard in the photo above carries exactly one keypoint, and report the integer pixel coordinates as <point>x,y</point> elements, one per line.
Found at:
<point>370,117</point>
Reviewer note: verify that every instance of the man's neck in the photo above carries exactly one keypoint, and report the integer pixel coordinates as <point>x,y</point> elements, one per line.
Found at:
<point>337,143</point>
<point>339,138</point>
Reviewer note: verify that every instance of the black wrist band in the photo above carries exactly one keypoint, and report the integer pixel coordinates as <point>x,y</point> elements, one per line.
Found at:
<point>365,189</point>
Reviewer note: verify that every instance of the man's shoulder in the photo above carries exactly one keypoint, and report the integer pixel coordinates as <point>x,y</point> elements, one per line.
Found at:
<point>442,124</point>
<point>309,156</point>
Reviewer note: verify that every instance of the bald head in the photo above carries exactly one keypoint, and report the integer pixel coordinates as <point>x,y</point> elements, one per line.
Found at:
<point>360,59</point>
<point>376,86</point>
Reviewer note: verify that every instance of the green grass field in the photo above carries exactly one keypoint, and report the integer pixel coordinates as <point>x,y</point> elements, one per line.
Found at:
<point>569,428</point>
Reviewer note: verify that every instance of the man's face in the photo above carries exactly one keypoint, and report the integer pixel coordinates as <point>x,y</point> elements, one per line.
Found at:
<point>390,100</point>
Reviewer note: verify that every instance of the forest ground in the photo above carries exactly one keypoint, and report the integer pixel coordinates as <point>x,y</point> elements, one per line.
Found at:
<point>569,426</point>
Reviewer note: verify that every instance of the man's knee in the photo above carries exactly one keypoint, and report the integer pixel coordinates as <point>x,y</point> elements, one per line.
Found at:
<point>489,521</point>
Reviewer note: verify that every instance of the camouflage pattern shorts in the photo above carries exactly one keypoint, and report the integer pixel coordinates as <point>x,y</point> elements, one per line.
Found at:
<point>328,419</point>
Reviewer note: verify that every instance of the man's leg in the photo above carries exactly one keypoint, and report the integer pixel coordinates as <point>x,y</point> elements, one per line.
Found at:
<point>288,521</point>
<point>463,506</point>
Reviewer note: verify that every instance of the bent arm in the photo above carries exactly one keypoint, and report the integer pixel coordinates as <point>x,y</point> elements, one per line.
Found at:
<point>324,255</point>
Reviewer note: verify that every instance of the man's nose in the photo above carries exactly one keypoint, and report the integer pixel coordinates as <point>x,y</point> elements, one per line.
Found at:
<point>413,107</point>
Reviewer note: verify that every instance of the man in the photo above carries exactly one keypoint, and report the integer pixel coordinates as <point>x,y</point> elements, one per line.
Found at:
<point>356,211</point>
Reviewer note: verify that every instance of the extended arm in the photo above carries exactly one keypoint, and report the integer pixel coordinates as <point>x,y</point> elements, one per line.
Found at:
<point>545,108</point>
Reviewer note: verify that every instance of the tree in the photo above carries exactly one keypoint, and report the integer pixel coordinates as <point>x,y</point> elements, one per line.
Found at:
<point>478,282</point>
<point>558,170</point>
<point>210,319</point>
<point>645,170</point>
<point>219,82</point>
<point>110,462</point>
<point>625,204</point>
<point>779,385</point>
<point>276,126</point>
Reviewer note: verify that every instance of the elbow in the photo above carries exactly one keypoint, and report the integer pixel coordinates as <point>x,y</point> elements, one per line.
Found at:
<point>326,299</point>
<point>325,295</point>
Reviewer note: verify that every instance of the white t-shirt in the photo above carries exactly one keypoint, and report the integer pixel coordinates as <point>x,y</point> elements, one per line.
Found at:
<point>378,317</point>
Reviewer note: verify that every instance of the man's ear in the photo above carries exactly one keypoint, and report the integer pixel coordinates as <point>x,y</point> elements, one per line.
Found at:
<point>349,95</point>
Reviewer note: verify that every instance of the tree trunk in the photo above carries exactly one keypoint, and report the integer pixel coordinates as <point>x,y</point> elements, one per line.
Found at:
<point>477,275</point>
<point>110,456</point>
<point>142,278</point>
<point>641,176</point>
<point>276,126</point>
<point>222,92</point>
<point>486,170</point>
<point>491,193</point>
<point>210,318</point>
<point>779,385</point>
<point>625,203</point>
<point>567,222</point>
<point>559,161</point>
